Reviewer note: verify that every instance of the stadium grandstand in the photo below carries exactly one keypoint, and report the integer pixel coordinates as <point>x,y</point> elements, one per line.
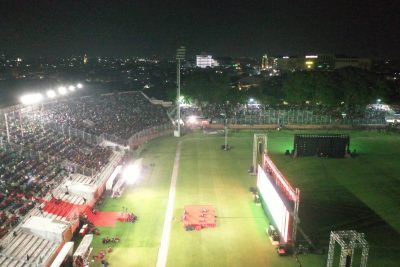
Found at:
<point>56,158</point>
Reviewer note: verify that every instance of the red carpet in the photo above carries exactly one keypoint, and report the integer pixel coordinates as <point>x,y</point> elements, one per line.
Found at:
<point>103,218</point>
<point>61,208</point>
<point>66,209</point>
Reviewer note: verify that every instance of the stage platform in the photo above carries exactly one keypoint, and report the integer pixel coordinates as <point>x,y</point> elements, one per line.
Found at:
<point>197,217</point>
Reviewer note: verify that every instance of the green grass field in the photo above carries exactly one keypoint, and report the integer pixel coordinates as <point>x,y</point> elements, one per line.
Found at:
<point>361,193</point>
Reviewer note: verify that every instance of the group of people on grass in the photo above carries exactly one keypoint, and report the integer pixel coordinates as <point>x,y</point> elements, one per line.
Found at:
<point>107,240</point>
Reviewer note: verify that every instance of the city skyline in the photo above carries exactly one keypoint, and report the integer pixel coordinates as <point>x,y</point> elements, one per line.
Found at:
<point>104,28</point>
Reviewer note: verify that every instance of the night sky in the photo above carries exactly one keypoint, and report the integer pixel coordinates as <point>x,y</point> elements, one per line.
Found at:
<point>225,28</point>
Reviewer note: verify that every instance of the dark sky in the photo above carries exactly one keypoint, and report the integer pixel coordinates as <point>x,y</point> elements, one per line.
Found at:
<point>233,28</point>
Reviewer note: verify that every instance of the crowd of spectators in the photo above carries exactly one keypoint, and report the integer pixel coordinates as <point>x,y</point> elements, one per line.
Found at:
<point>23,180</point>
<point>59,146</point>
<point>34,159</point>
<point>306,112</point>
<point>32,136</point>
<point>375,113</point>
<point>32,164</point>
<point>187,111</point>
<point>119,114</point>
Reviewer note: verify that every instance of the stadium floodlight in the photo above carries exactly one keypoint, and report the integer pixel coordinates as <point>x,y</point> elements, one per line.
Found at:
<point>30,99</point>
<point>180,55</point>
<point>132,172</point>
<point>79,86</point>
<point>71,88</point>
<point>62,90</point>
<point>51,94</point>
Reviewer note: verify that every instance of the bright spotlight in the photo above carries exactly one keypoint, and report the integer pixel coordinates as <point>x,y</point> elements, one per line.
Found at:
<point>62,90</point>
<point>51,94</point>
<point>79,85</point>
<point>71,88</point>
<point>132,172</point>
<point>192,119</point>
<point>31,98</point>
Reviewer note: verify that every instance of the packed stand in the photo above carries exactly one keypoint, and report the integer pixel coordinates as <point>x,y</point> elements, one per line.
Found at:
<point>56,145</point>
<point>304,114</point>
<point>24,180</point>
<point>33,162</point>
<point>120,114</point>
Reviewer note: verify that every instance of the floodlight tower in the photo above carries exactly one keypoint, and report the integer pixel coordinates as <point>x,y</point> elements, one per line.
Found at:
<point>180,55</point>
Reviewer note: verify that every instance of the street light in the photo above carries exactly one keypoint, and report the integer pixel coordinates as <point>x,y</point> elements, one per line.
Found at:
<point>180,55</point>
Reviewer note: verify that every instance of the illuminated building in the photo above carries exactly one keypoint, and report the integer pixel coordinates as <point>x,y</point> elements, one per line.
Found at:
<point>205,61</point>
<point>321,62</point>
<point>264,62</point>
<point>268,63</point>
<point>85,59</point>
<point>362,63</point>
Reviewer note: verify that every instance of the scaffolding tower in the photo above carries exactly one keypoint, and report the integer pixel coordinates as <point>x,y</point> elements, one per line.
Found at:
<point>348,240</point>
<point>259,148</point>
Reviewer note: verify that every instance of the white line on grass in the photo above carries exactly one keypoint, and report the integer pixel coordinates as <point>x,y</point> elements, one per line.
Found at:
<point>163,250</point>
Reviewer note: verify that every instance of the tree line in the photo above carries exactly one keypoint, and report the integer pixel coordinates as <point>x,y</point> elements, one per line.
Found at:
<point>347,87</point>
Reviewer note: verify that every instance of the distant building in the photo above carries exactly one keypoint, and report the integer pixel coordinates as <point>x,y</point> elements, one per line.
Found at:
<point>264,62</point>
<point>205,61</point>
<point>321,62</point>
<point>224,62</point>
<point>362,63</point>
<point>85,59</point>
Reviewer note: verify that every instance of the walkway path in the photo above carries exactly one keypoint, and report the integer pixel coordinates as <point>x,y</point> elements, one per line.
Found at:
<point>163,250</point>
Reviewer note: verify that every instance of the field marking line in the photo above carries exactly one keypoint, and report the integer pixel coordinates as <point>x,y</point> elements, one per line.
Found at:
<point>163,250</point>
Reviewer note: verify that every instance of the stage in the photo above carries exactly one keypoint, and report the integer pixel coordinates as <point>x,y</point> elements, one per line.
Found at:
<point>197,217</point>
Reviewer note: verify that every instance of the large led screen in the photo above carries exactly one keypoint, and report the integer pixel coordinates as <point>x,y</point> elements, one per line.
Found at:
<point>274,203</point>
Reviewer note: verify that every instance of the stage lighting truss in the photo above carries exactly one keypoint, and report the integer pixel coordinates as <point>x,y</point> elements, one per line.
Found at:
<point>259,148</point>
<point>348,240</point>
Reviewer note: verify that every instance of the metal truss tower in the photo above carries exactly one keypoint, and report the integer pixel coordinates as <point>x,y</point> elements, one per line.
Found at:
<point>348,241</point>
<point>259,147</point>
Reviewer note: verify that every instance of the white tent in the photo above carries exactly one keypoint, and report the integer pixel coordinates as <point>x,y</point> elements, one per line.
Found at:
<point>80,189</point>
<point>83,248</point>
<point>110,180</point>
<point>45,227</point>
